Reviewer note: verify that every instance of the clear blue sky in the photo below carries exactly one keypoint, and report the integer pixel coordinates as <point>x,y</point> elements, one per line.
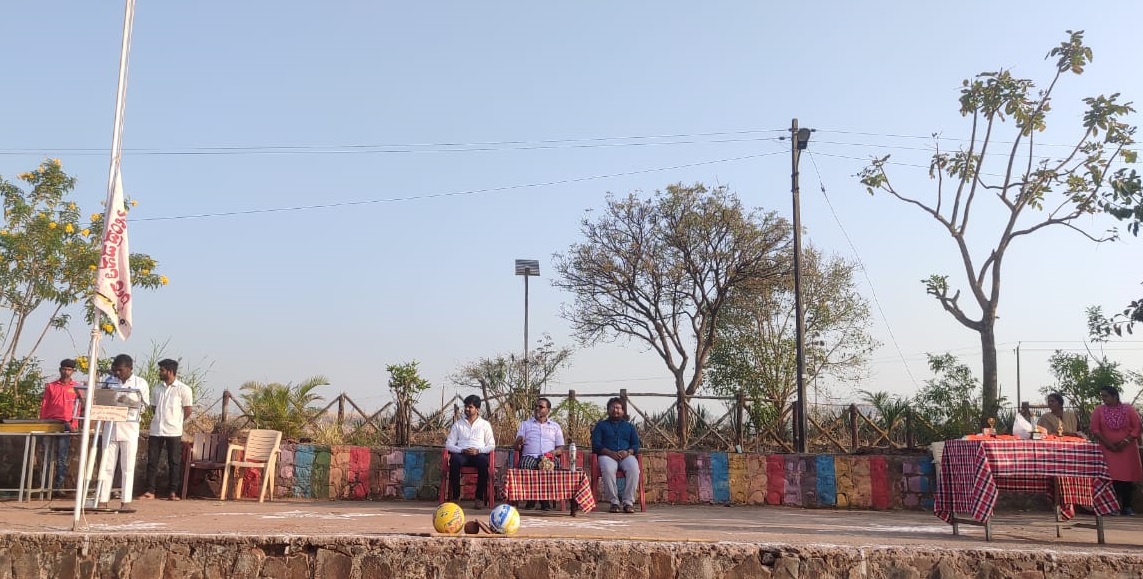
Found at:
<point>447,139</point>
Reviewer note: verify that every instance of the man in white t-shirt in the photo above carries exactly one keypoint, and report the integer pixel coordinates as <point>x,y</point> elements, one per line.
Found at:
<point>121,439</point>
<point>172,402</point>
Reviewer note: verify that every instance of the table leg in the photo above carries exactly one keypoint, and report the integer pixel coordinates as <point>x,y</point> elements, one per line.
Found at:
<point>956,527</point>
<point>988,530</point>
<point>1099,529</point>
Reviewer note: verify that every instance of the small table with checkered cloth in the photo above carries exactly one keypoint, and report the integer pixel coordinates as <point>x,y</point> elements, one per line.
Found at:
<point>550,485</point>
<point>974,472</point>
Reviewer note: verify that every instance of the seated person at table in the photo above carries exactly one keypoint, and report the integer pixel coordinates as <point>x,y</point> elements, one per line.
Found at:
<point>615,444</point>
<point>536,437</point>
<point>469,442</point>
<point>1057,417</point>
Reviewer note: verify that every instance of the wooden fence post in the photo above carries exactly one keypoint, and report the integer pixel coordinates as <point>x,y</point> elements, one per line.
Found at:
<point>854,442</point>
<point>909,428</point>
<point>573,412</point>
<point>340,409</point>
<point>225,406</point>
<point>739,408</point>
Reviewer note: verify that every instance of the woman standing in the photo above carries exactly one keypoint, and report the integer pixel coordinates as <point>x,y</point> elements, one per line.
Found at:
<point>1058,420</point>
<point>1116,426</point>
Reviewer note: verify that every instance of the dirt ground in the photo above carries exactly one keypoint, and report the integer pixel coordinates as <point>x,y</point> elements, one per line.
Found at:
<point>752,524</point>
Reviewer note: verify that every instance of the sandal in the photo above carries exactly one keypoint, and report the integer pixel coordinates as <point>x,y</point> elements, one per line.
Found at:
<point>615,508</point>
<point>629,508</point>
<point>148,495</point>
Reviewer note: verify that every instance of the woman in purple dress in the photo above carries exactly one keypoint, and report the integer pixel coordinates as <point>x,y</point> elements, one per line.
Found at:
<point>1116,427</point>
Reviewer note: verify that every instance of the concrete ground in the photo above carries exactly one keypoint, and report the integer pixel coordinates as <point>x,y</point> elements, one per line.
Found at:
<point>769,525</point>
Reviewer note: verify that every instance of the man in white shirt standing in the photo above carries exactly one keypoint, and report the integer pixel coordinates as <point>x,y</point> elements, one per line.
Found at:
<point>172,401</point>
<point>121,439</point>
<point>469,442</point>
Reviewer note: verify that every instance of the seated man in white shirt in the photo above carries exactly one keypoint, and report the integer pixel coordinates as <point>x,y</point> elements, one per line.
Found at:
<point>469,442</point>
<point>536,437</point>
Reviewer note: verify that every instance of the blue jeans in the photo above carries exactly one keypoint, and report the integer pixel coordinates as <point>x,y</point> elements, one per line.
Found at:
<point>63,450</point>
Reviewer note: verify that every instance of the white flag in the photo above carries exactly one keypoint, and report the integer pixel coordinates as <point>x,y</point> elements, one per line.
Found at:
<point>113,273</point>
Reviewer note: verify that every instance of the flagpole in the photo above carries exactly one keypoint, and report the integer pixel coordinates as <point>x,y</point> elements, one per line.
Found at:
<point>96,332</point>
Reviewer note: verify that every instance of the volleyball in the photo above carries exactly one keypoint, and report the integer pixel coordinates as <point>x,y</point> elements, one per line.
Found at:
<point>504,519</point>
<point>449,518</point>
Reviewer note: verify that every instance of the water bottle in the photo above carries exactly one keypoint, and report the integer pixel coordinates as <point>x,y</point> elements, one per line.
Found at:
<point>571,455</point>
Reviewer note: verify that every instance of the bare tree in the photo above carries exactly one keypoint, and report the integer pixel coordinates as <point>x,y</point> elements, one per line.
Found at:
<point>660,270</point>
<point>1029,192</point>
<point>502,377</point>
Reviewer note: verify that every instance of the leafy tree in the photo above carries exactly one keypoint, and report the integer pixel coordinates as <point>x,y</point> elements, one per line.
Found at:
<point>661,269</point>
<point>502,377</point>
<point>1079,381</point>
<point>406,384</point>
<point>1029,191</point>
<point>757,344</point>
<point>21,398</point>
<point>950,401</point>
<point>284,407</point>
<point>47,261</point>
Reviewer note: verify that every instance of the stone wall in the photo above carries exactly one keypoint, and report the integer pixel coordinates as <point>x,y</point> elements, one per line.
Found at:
<point>81,556</point>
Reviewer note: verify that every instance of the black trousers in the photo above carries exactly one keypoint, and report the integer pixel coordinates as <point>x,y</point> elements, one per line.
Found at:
<point>1123,491</point>
<point>174,446</point>
<point>458,460</point>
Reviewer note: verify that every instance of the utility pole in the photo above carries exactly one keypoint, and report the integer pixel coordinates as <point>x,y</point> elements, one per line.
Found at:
<point>799,139</point>
<point>1018,375</point>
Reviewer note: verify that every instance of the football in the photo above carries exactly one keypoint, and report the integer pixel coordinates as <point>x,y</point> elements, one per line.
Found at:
<point>504,519</point>
<point>449,518</point>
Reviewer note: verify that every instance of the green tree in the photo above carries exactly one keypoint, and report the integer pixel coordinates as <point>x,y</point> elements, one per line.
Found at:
<point>502,377</point>
<point>284,407</point>
<point>757,344</point>
<point>406,384</point>
<point>1079,378</point>
<point>1025,190</point>
<point>48,256</point>
<point>660,270</point>
<point>950,401</point>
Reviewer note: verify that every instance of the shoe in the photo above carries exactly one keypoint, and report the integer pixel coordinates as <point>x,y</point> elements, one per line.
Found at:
<point>629,508</point>
<point>545,505</point>
<point>148,495</point>
<point>175,497</point>
<point>478,504</point>
<point>59,495</point>
<point>530,505</point>
<point>615,508</point>
<point>1128,512</point>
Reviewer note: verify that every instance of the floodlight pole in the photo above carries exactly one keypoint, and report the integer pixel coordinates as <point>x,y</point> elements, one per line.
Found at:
<point>526,268</point>
<point>799,139</point>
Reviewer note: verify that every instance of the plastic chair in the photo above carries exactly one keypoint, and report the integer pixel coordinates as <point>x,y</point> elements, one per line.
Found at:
<point>207,452</point>
<point>595,479</point>
<point>260,452</point>
<point>468,472</point>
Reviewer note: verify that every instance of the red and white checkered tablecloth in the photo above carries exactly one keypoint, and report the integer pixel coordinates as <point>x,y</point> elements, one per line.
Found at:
<point>974,472</point>
<point>549,485</point>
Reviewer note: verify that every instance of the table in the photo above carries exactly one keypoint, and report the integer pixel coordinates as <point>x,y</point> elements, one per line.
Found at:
<point>550,485</point>
<point>974,472</point>
<point>29,483</point>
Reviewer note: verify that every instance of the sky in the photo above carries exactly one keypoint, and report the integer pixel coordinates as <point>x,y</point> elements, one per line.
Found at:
<point>335,187</point>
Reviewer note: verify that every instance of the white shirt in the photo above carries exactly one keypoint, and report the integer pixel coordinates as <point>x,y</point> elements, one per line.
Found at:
<point>477,434</point>
<point>169,402</point>
<point>540,437</point>
<point>129,430</point>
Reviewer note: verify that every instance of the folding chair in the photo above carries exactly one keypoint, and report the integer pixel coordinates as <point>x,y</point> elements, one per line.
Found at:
<point>207,452</point>
<point>596,478</point>
<point>469,473</point>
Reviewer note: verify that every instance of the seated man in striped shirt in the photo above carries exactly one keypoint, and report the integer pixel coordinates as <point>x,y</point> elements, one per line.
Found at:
<point>536,437</point>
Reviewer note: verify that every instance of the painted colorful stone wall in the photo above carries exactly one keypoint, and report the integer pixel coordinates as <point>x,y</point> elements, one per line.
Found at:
<point>811,481</point>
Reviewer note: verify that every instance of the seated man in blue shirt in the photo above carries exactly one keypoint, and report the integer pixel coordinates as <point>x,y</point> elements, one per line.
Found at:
<point>536,437</point>
<point>469,442</point>
<point>615,444</point>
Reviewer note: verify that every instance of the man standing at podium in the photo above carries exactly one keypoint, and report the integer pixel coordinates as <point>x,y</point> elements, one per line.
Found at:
<point>59,404</point>
<point>121,440</point>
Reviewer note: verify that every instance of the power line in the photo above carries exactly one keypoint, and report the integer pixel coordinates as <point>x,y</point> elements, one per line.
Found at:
<point>451,193</point>
<point>865,273</point>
